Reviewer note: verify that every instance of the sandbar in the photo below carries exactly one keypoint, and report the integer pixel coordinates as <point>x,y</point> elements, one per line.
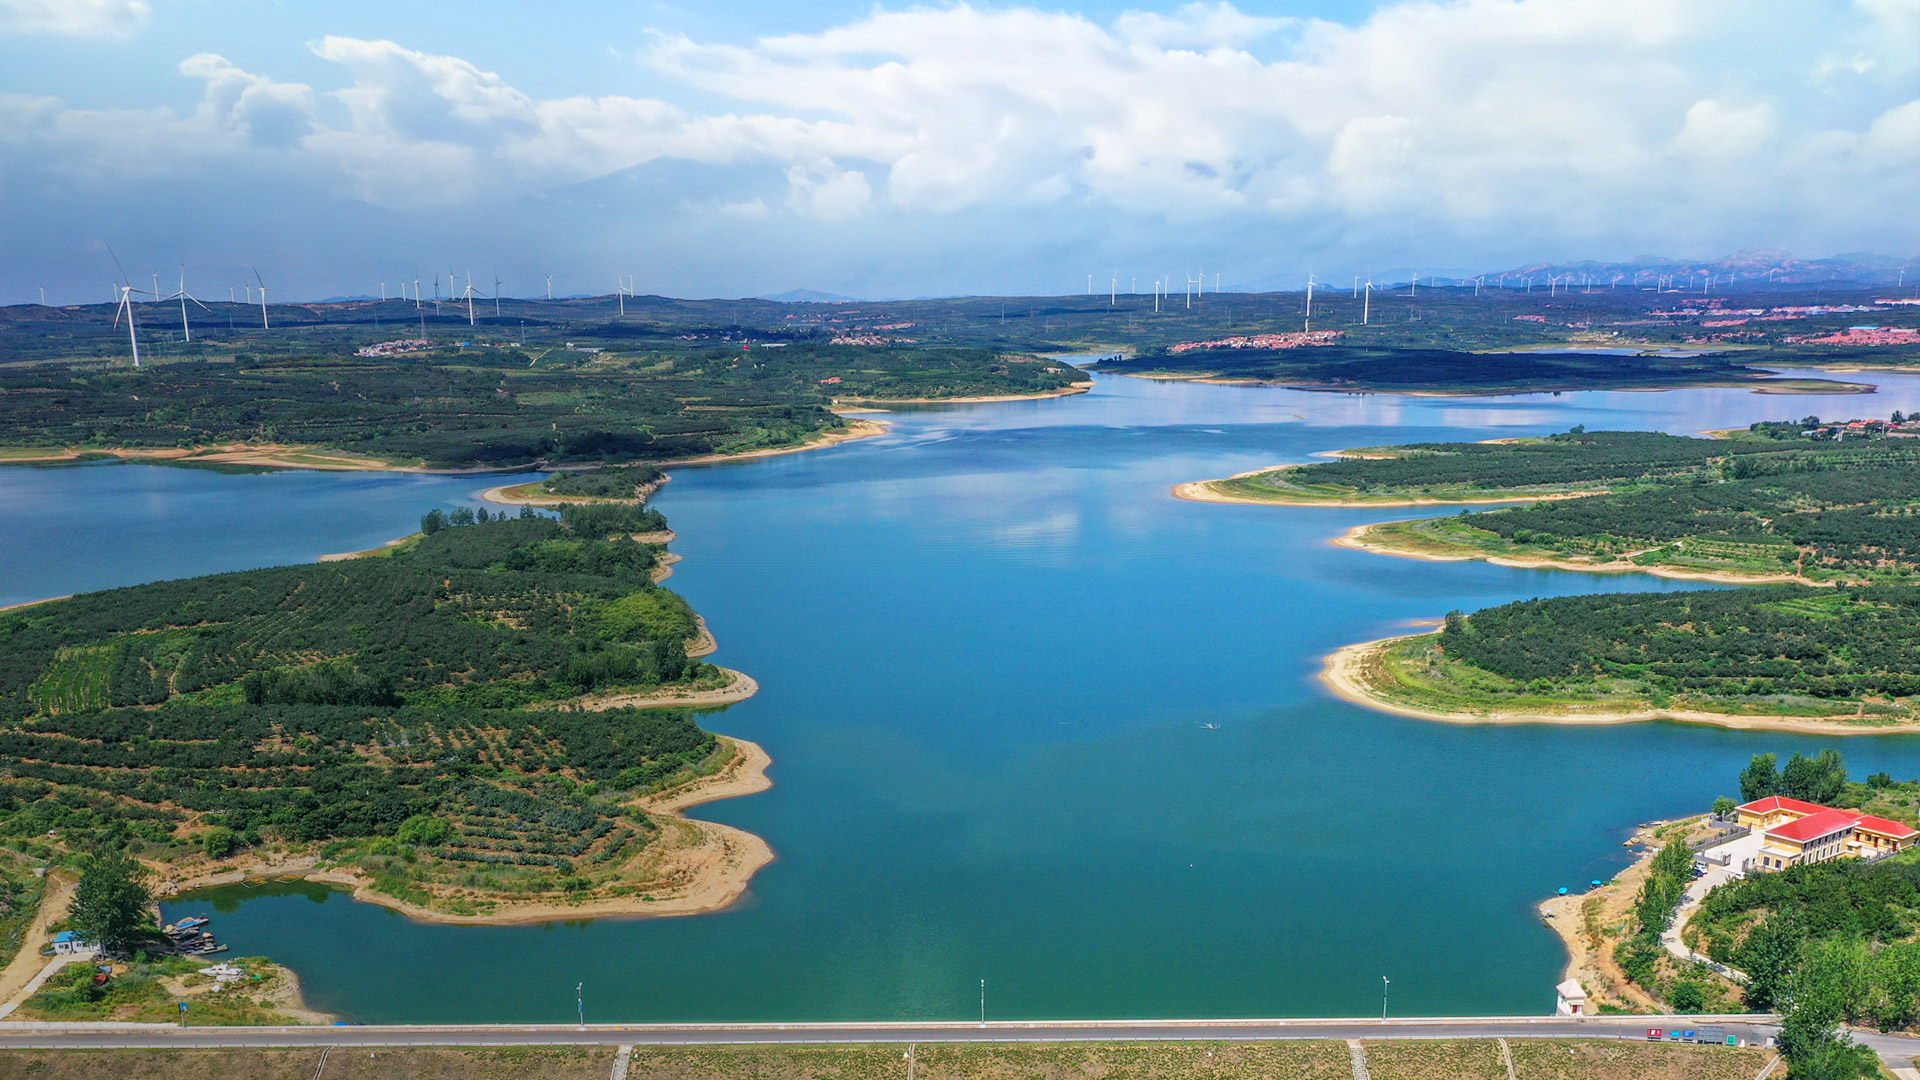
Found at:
<point>1345,670</point>
<point>739,687</point>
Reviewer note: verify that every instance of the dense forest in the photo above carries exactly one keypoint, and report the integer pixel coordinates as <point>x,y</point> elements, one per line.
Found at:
<point>391,705</point>
<point>1774,648</point>
<point>1750,504</point>
<point>498,407</point>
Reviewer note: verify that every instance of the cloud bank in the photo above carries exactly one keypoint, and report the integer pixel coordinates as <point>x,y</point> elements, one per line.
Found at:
<point>1458,133</point>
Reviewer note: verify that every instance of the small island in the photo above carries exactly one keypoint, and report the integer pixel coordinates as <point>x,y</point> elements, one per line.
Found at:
<point>489,721</point>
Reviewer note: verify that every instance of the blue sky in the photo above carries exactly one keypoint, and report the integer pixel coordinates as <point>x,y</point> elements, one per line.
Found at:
<point>728,149</point>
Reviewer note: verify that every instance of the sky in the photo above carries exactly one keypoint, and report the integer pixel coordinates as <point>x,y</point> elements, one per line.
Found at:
<point>889,150</point>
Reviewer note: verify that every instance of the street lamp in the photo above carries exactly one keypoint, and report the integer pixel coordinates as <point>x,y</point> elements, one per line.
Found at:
<point>1383,999</point>
<point>580,1002</point>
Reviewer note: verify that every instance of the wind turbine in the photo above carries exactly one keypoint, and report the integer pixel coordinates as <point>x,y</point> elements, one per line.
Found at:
<point>126,305</point>
<point>1366,305</point>
<point>1309,301</point>
<point>416,294</point>
<point>620,290</point>
<point>549,286</point>
<point>496,294</point>
<point>183,296</point>
<point>467,294</point>
<point>263,299</point>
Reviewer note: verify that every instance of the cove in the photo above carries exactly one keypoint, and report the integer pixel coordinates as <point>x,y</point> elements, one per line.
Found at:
<point>1037,722</point>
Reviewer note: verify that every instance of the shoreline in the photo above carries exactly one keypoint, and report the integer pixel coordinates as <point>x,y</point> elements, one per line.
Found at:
<point>859,429</point>
<point>519,495</point>
<point>1066,391</point>
<point>1340,673</point>
<point>1204,491</point>
<point>1754,385</point>
<point>738,688</point>
<point>1356,539</point>
<point>286,456</point>
<point>714,863</point>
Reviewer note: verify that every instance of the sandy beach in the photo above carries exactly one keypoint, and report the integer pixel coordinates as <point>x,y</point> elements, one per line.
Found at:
<point>1358,539</point>
<point>693,867</point>
<point>1345,673</point>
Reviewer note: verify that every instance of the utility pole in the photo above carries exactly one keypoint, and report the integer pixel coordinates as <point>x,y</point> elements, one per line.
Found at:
<point>580,1002</point>
<point>983,1003</point>
<point>1383,999</point>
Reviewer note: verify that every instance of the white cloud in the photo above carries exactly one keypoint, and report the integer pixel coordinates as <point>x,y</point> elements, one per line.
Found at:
<point>1556,121</point>
<point>73,18</point>
<point>826,191</point>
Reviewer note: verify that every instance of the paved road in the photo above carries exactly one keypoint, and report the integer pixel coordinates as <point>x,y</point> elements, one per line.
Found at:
<point>30,1034</point>
<point>1897,1050</point>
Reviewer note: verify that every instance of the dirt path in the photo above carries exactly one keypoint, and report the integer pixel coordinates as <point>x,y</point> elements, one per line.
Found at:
<point>28,963</point>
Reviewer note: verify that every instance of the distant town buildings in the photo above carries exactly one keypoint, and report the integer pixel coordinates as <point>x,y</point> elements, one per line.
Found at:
<point>1296,340</point>
<point>395,348</point>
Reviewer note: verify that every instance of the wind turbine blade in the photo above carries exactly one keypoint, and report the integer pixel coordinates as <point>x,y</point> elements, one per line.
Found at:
<point>256,276</point>
<point>116,264</point>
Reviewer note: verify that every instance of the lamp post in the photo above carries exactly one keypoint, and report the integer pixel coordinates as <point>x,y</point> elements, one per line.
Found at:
<point>580,1003</point>
<point>983,1003</point>
<point>1383,999</point>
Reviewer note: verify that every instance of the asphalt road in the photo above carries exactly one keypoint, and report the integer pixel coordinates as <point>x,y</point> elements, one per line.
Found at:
<point>45,1035</point>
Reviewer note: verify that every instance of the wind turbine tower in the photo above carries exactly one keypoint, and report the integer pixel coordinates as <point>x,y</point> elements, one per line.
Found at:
<point>496,294</point>
<point>1366,305</point>
<point>549,286</point>
<point>183,296</point>
<point>263,299</point>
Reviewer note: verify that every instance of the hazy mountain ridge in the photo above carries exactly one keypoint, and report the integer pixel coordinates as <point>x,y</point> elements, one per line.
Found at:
<point>1749,265</point>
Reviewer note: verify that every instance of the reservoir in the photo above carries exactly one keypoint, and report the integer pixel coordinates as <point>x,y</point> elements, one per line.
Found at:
<point>1033,721</point>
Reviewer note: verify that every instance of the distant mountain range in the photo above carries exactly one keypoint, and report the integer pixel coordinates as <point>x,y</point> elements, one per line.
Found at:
<point>1752,266</point>
<point>808,296</point>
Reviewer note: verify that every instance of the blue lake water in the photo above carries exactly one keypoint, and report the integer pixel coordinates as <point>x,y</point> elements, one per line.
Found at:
<point>1032,719</point>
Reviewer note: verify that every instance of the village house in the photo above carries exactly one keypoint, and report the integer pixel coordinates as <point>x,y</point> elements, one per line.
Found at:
<point>1793,832</point>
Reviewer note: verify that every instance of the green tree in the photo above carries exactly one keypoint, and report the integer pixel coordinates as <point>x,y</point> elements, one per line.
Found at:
<point>423,830</point>
<point>1760,778</point>
<point>111,901</point>
<point>1687,997</point>
<point>433,522</point>
<point>1769,957</point>
<point>1818,779</point>
<point>219,842</point>
<point>1723,807</point>
<point>1456,623</point>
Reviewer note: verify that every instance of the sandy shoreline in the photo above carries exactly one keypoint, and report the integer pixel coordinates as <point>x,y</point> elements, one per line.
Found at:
<point>859,429</point>
<point>1343,673</point>
<point>1204,491</point>
<point>707,865</point>
<point>1356,538</point>
<point>739,688</point>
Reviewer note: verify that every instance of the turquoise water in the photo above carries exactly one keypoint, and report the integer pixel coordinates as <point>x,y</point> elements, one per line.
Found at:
<point>1035,721</point>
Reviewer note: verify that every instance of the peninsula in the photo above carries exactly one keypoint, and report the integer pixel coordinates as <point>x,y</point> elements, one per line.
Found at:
<point>488,721</point>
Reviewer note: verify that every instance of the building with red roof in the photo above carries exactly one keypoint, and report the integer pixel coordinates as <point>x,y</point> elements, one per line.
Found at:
<point>1794,832</point>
